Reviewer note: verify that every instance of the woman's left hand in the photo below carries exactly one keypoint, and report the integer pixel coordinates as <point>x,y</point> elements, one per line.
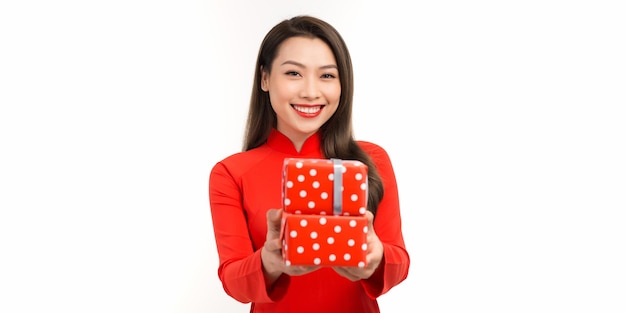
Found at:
<point>373,257</point>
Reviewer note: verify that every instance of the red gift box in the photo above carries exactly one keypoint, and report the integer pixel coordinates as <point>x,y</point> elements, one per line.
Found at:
<point>323,186</point>
<point>310,239</point>
<point>324,204</point>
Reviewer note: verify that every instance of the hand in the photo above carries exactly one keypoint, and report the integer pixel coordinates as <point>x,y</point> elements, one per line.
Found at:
<point>373,257</point>
<point>271,253</point>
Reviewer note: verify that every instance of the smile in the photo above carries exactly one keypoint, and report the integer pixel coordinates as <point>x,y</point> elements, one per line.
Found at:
<point>308,111</point>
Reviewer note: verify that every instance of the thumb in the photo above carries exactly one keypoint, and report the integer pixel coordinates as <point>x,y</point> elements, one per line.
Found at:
<point>273,219</point>
<point>370,220</point>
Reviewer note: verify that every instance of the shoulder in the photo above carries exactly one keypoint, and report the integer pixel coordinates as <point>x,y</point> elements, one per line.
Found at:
<point>239,163</point>
<point>375,151</point>
<point>381,160</point>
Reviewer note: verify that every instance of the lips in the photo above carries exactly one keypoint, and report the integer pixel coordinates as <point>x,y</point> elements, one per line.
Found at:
<point>308,111</point>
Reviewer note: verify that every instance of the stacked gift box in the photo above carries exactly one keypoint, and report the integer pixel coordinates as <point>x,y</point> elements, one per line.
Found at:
<point>324,205</point>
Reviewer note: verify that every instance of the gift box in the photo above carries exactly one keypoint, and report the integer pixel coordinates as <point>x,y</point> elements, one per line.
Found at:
<point>323,186</point>
<point>324,205</point>
<point>310,239</point>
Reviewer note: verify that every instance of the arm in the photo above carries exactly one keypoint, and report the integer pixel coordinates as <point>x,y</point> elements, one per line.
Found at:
<point>247,275</point>
<point>240,269</point>
<point>385,240</point>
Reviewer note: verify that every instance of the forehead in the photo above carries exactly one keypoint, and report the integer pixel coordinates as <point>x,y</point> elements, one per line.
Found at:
<point>308,51</point>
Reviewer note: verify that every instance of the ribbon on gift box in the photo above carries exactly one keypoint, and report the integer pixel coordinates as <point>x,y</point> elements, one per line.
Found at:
<point>337,186</point>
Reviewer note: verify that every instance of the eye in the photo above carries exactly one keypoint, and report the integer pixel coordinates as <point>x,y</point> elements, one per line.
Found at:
<point>328,76</point>
<point>292,73</point>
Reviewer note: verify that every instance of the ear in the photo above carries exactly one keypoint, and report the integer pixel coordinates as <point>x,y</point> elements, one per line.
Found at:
<point>264,80</point>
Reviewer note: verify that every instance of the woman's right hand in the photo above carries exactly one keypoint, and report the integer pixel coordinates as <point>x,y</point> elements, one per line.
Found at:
<point>271,253</point>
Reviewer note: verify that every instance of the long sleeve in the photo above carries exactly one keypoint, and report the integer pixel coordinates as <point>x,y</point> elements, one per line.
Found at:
<point>240,267</point>
<point>388,228</point>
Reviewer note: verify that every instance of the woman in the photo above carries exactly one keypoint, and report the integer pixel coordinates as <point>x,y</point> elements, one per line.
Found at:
<point>301,106</point>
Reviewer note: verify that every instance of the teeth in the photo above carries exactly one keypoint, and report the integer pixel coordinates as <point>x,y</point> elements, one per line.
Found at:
<point>308,110</point>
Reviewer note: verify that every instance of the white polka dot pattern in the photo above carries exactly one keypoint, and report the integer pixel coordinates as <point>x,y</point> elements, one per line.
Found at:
<point>316,233</point>
<point>324,240</point>
<point>308,186</point>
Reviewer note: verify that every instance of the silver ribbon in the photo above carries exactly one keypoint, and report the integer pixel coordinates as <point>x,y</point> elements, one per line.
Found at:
<point>337,184</point>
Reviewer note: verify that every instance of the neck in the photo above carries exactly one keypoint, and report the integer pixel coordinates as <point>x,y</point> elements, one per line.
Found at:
<point>297,139</point>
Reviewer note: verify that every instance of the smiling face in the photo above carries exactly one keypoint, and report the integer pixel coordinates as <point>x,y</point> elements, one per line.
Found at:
<point>303,86</point>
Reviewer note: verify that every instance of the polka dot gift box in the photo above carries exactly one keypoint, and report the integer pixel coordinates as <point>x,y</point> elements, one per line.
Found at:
<point>324,240</point>
<point>324,207</point>
<point>320,186</point>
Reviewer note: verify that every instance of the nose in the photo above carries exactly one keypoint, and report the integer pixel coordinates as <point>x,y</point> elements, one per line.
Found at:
<point>310,89</point>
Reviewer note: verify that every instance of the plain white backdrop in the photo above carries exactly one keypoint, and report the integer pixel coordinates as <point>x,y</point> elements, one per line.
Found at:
<point>505,121</point>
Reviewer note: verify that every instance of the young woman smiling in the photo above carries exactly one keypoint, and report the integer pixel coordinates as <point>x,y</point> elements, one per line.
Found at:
<point>301,106</point>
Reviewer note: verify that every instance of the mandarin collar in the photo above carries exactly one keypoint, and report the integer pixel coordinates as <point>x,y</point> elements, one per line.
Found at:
<point>279,142</point>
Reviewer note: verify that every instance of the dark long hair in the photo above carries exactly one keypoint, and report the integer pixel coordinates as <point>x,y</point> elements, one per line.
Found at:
<point>336,134</point>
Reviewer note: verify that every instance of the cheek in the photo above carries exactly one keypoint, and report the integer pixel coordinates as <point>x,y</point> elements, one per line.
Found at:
<point>330,111</point>
<point>276,103</point>
<point>283,92</point>
<point>331,89</point>
<point>334,93</point>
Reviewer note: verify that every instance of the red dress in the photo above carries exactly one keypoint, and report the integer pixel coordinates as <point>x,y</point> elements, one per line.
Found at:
<point>244,186</point>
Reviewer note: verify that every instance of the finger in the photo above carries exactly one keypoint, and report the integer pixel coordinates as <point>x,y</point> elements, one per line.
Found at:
<point>370,220</point>
<point>301,270</point>
<point>273,219</point>
<point>345,272</point>
<point>307,269</point>
<point>273,245</point>
<point>274,214</point>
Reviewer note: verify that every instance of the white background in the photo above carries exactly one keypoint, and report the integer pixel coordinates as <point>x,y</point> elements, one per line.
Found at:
<point>504,119</point>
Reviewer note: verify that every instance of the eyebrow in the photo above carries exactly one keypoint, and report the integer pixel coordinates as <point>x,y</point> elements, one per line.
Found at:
<point>298,64</point>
